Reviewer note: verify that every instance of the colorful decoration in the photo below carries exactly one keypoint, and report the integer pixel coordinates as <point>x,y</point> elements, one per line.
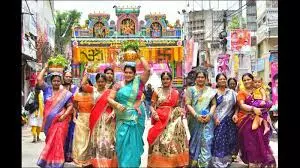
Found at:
<point>239,38</point>
<point>223,64</point>
<point>104,40</point>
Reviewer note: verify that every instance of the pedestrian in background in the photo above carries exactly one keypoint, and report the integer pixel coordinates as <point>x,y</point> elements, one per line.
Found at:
<point>148,94</point>
<point>36,114</point>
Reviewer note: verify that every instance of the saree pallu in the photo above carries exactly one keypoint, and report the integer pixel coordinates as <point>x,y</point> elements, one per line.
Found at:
<point>81,139</point>
<point>130,125</point>
<point>201,133</point>
<point>170,149</point>
<point>69,140</point>
<point>225,134</point>
<point>253,144</point>
<point>55,131</point>
<point>102,133</point>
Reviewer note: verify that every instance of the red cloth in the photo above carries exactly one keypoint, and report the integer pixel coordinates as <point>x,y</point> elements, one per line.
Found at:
<point>32,80</point>
<point>163,111</point>
<point>100,106</point>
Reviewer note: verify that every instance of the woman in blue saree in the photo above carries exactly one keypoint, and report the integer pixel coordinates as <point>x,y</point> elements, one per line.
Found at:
<point>57,115</point>
<point>225,133</point>
<point>201,103</point>
<point>125,98</point>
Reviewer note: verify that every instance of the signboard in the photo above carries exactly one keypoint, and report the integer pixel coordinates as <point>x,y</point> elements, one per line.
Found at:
<point>260,66</point>
<point>223,64</point>
<point>239,38</point>
<point>117,43</point>
<point>274,75</point>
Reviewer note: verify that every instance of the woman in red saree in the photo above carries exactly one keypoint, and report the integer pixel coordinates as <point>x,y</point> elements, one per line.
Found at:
<point>57,114</point>
<point>102,125</point>
<point>168,144</point>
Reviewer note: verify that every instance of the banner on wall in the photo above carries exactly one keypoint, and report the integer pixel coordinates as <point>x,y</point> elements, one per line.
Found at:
<point>223,64</point>
<point>274,74</point>
<point>189,56</point>
<point>239,38</point>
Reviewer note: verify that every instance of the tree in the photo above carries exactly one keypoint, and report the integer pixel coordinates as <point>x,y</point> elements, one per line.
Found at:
<point>235,23</point>
<point>64,22</point>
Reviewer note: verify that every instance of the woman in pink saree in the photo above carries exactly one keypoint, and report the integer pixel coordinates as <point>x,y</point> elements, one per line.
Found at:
<point>57,114</point>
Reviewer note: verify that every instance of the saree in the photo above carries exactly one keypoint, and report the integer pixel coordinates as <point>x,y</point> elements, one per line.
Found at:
<point>225,134</point>
<point>81,138</point>
<point>55,131</point>
<point>253,144</point>
<point>168,144</point>
<point>102,133</point>
<point>69,140</point>
<point>130,124</point>
<point>201,133</point>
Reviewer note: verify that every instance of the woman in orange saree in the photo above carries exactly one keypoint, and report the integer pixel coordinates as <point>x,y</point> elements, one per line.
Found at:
<point>83,103</point>
<point>168,144</point>
<point>57,114</point>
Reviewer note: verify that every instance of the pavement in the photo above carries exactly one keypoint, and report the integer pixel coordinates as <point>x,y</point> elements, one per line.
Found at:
<point>31,151</point>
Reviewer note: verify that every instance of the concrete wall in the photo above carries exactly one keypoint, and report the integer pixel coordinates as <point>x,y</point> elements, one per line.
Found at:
<point>263,52</point>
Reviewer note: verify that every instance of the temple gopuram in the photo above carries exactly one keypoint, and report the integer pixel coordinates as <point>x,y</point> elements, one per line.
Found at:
<point>99,42</point>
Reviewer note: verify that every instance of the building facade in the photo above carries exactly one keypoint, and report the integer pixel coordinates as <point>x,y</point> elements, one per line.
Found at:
<point>37,17</point>
<point>267,35</point>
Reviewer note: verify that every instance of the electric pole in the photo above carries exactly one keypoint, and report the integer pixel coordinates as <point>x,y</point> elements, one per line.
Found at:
<point>241,13</point>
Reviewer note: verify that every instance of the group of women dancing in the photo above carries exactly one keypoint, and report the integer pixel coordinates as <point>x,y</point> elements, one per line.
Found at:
<point>103,125</point>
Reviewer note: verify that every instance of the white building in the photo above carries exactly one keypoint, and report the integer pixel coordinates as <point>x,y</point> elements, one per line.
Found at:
<point>267,35</point>
<point>36,15</point>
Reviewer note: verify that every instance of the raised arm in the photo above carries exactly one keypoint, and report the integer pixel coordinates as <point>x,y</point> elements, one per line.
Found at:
<point>146,74</point>
<point>84,82</point>
<point>40,77</point>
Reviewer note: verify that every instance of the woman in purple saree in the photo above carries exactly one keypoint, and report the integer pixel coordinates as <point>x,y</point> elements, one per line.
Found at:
<point>253,144</point>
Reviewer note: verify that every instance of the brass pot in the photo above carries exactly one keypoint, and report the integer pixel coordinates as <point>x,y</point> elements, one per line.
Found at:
<point>56,68</point>
<point>130,55</point>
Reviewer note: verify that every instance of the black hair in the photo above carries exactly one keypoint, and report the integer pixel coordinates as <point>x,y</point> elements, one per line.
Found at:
<point>107,69</point>
<point>203,72</point>
<point>90,83</point>
<point>101,75</point>
<point>249,75</point>
<point>219,75</point>
<point>166,73</point>
<point>235,81</point>
<point>67,72</point>
<point>130,67</point>
<point>53,76</point>
<point>275,77</point>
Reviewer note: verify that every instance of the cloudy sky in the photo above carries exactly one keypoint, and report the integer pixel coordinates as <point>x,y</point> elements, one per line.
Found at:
<point>169,8</point>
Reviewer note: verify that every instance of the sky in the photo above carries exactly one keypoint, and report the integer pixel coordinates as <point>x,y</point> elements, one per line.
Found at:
<point>170,8</point>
